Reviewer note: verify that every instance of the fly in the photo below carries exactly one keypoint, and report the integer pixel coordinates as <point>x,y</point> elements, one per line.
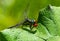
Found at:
<point>27,21</point>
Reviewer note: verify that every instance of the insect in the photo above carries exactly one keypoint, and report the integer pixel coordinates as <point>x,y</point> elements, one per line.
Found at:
<point>27,21</point>
<point>31,23</point>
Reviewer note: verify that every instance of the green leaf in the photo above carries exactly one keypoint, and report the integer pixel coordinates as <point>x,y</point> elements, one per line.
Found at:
<point>54,38</point>
<point>19,35</point>
<point>2,38</point>
<point>46,18</point>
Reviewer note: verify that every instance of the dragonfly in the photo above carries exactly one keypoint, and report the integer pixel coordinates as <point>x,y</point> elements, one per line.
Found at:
<point>26,21</point>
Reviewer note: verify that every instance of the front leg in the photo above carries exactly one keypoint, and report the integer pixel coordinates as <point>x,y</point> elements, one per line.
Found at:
<point>31,27</point>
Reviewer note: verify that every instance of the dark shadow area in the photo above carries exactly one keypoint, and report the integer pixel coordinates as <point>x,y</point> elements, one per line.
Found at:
<point>33,32</point>
<point>2,38</point>
<point>41,20</point>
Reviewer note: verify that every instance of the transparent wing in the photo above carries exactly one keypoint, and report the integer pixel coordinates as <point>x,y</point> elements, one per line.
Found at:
<point>24,15</point>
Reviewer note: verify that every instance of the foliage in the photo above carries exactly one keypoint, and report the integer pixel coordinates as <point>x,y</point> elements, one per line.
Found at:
<point>12,12</point>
